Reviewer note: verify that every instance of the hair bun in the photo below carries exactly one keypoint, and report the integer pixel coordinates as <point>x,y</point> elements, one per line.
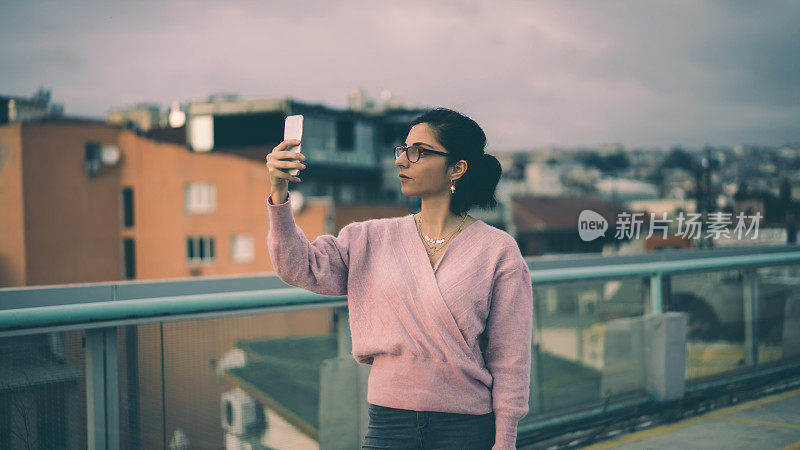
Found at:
<point>464,139</point>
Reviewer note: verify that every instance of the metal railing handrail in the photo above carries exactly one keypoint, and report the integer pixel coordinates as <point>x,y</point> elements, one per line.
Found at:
<point>662,267</point>
<point>97,313</point>
<point>107,313</point>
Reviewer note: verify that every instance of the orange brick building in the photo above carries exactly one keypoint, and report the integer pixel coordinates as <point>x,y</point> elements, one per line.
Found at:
<point>72,214</point>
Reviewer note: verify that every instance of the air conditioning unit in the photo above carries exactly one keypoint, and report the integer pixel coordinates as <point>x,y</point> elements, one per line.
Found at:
<point>232,359</point>
<point>240,414</point>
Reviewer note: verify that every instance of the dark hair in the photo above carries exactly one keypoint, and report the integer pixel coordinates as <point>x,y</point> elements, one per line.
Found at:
<point>464,139</point>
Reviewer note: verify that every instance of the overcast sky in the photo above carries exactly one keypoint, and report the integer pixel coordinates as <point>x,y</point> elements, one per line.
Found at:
<point>532,74</point>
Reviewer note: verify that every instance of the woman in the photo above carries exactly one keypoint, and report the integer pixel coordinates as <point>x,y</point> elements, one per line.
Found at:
<point>440,303</point>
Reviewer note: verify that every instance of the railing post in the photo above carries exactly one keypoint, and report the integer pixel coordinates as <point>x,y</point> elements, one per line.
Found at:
<point>665,355</point>
<point>537,379</point>
<point>102,390</point>
<point>342,321</point>
<point>343,414</point>
<point>656,293</point>
<point>750,287</point>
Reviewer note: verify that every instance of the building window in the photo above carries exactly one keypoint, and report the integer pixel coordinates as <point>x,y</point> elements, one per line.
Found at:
<point>127,207</point>
<point>129,258</point>
<point>345,134</point>
<point>242,248</point>
<point>201,197</point>
<point>91,159</point>
<point>200,249</point>
<point>248,129</point>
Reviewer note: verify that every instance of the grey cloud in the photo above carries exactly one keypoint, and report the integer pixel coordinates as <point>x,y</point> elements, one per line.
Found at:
<point>566,73</point>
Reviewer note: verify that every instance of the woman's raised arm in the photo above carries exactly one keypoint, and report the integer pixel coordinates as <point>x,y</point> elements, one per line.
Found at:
<point>320,266</point>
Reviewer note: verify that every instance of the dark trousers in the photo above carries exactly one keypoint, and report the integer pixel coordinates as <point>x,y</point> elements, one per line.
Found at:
<point>393,428</point>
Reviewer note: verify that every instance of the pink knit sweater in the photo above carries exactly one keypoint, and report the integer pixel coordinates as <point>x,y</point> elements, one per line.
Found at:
<point>453,338</point>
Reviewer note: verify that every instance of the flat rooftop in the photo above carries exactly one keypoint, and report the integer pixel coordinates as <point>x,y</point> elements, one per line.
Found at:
<point>771,422</point>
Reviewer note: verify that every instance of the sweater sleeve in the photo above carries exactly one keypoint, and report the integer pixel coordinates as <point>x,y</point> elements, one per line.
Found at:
<point>320,266</point>
<point>509,328</point>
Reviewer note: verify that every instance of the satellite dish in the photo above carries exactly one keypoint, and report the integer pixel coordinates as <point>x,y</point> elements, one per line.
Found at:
<point>110,155</point>
<point>297,201</point>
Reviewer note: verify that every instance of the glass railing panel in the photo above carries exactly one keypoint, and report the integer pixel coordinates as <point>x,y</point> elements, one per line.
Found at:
<point>141,418</point>
<point>233,381</point>
<point>230,382</point>
<point>586,335</point>
<point>778,313</point>
<point>715,332</point>
<point>43,391</point>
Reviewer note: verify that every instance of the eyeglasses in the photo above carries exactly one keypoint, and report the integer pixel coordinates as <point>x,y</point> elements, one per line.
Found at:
<point>413,152</point>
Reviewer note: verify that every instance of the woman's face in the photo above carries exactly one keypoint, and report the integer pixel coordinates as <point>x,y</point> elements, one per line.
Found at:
<point>429,174</point>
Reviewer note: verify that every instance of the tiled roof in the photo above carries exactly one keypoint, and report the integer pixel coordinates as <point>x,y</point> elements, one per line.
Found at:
<point>530,212</point>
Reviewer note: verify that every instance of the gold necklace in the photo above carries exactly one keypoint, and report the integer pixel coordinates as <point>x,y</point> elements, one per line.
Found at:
<point>443,242</point>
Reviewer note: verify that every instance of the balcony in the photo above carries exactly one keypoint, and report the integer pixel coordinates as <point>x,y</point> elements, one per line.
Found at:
<point>247,362</point>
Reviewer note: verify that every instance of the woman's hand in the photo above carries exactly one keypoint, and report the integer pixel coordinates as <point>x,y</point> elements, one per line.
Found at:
<point>280,159</point>
<point>279,162</point>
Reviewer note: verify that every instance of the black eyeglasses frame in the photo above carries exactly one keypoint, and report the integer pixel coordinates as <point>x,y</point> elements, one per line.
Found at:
<point>420,150</point>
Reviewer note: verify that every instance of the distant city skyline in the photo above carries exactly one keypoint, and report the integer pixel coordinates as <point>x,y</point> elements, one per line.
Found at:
<point>533,75</point>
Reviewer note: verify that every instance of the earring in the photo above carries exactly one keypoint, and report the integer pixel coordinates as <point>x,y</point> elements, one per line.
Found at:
<point>452,187</point>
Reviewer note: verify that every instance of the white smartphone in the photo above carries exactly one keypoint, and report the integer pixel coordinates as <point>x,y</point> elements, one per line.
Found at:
<point>293,129</point>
